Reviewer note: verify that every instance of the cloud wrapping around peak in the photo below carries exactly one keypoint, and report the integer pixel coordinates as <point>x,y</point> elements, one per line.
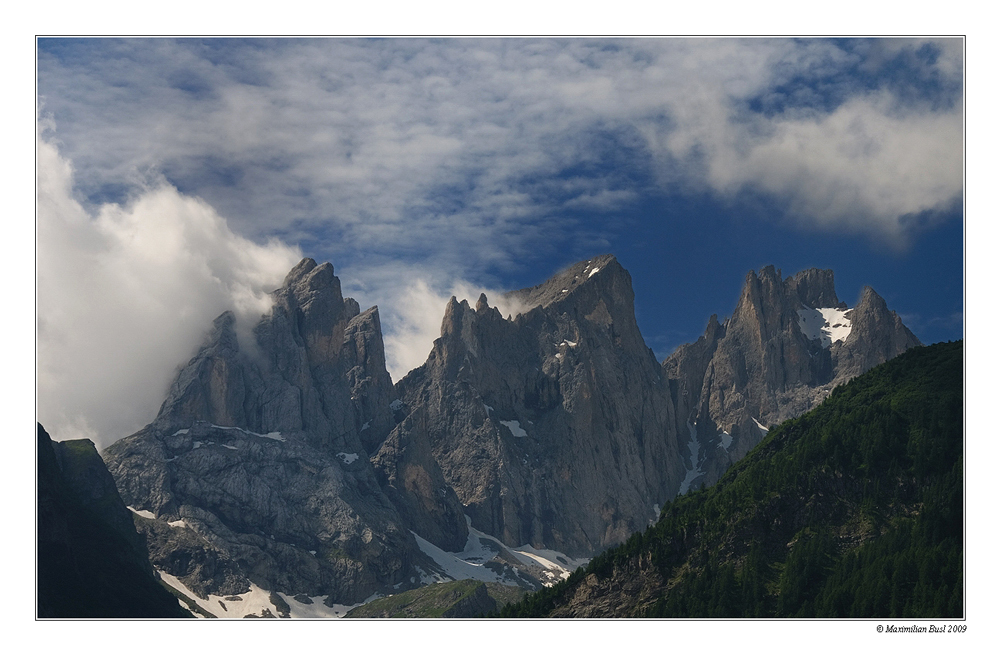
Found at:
<point>127,293</point>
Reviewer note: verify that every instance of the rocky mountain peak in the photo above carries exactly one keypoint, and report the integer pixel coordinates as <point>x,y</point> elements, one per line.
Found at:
<point>871,301</point>
<point>222,337</point>
<point>814,288</point>
<point>311,298</point>
<point>714,329</point>
<point>454,313</point>
<point>299,271</point>
<point>316,278</point>
<point>266,453</point>
<point>601,273</point>
<point>877,334</point>
<point>788,342</point>
<point>547,426</point>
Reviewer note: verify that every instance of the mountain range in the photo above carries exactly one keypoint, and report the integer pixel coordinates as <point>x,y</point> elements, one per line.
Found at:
<point>285,464</point>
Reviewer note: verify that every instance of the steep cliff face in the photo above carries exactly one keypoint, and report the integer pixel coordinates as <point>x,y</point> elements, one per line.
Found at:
<point>262,450</point>
<point>315,366</point>
<point>553,427</point>
<point>787,344</point>
<point>877,335</point>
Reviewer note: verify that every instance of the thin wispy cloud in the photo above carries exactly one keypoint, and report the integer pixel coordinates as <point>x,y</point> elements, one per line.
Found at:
<point>389,143</point>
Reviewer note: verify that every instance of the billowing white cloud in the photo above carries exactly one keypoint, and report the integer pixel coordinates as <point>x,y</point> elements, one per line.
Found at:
<point>862,168</point>
<point>126,293</point>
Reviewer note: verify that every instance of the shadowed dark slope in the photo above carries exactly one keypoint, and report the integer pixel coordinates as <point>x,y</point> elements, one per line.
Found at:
<point>91,561</point>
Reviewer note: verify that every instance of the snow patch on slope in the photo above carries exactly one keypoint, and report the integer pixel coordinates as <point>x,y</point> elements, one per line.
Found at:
<point>828,324</point>
<point>694,470</point>
<point>317,609</point>
<point>558,565</point>
<point>481,549</point>
<point>144,513</point>
<point>270,435</point>
<point>515,428</point>
<point>256,601</point>
<point>466,565</point>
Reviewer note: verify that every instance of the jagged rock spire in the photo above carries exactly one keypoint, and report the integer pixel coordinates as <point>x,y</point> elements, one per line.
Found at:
<point>763,367</point>
<point>550,426</point>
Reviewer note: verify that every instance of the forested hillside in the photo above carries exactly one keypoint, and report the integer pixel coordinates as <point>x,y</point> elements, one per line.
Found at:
<point>854,509</point>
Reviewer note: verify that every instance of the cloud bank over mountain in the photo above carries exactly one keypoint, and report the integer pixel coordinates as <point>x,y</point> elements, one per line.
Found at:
<point>126,293</point>
<point>180,177</point>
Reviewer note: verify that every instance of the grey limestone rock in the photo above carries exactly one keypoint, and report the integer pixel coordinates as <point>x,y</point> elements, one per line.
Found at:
<point>760,367</point>
<point>412,479</point>
<point>292,462</point>
<point>262,449</point>
<point>553,427</point>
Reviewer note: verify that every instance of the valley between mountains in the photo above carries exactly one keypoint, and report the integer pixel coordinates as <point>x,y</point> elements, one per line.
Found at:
<point>286,475</point>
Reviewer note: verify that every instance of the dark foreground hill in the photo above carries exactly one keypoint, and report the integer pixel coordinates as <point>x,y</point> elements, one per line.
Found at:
<point>91,561</point>
<point>851,510</point>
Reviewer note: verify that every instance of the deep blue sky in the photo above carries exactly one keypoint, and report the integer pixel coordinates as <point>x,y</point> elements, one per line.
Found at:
<point>180,177</point>
<point>686,269</point>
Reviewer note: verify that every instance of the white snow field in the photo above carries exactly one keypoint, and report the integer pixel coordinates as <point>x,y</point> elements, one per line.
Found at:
<point>515,428</point>
<point>828,324</point>
<point>256,601</point>
<point>469,564</point>
<point>694,470</point>
<point>481,548</point>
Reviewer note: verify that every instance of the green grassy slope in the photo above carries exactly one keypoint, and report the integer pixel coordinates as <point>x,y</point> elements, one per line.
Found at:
<point>462,598</point>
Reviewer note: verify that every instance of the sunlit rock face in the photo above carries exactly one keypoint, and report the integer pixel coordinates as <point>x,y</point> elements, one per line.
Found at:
<point>554,427</point>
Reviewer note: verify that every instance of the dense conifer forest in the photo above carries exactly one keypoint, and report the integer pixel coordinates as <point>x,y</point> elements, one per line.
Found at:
<point>854,509</point>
